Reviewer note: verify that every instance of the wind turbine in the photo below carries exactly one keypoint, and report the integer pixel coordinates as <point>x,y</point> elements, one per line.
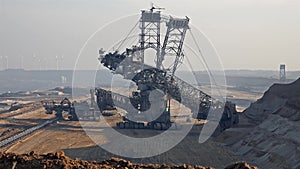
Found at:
<point>62,62</point>
<point>22,62</point>
<point>6,57</point>
<point>56,57</point>
<point>59,62</point>
<point>34,60</point>
<point>2,62</point>
<point>40,66</point>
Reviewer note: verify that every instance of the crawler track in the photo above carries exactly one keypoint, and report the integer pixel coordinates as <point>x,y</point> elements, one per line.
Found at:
<point>12,113</point>
<point>6,142</point>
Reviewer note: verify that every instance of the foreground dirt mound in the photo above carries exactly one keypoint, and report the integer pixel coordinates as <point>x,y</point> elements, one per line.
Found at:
<point>60,161</point>
<point>240,165</point>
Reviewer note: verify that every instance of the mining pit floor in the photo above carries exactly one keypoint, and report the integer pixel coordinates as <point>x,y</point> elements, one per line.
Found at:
<point>70,137</point>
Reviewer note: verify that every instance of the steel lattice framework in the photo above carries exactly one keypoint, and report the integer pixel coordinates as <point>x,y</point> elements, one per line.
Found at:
<point>149,78</point>
<point>150,37</point>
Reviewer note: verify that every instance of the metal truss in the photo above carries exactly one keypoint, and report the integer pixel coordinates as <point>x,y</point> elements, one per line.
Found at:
<point>174,39</point>
<point>150,32</point>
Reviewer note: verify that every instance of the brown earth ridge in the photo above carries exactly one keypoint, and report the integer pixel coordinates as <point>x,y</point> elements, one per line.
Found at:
<point>58,160</point>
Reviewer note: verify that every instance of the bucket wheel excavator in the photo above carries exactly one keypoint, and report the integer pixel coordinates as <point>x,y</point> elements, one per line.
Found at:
<point>65,105</point>
<point>157,82</point>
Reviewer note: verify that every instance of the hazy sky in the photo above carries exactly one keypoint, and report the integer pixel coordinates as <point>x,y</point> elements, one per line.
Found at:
<point>248,34</point>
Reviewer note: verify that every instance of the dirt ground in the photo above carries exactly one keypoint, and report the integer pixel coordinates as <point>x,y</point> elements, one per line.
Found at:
<point>73,140</point>
<point>15,121</point>
<point>79,145</point>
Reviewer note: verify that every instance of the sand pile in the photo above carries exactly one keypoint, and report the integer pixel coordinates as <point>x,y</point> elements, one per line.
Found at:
<point>278,97</point>
<point>60,161</point>
<point>273,139</point>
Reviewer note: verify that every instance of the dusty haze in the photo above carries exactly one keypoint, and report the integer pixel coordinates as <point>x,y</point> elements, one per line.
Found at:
<point>248,34</point>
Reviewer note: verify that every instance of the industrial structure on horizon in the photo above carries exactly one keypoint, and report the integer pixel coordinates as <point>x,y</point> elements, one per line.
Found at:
<point>282,73</point>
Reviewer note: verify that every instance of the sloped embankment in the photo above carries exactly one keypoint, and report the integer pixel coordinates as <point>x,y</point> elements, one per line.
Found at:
<point>269,131</point>
<point>281,99</point>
